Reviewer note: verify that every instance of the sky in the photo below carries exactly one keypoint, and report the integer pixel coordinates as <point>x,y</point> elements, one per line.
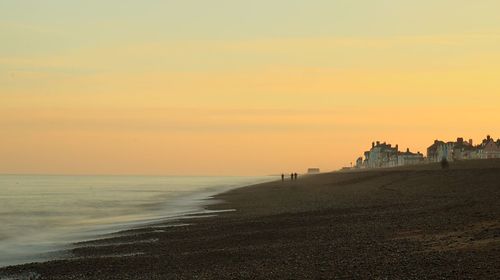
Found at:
<point>230,87</point>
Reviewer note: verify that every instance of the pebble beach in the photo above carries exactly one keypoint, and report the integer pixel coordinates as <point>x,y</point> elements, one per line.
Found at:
<point>417,222</point>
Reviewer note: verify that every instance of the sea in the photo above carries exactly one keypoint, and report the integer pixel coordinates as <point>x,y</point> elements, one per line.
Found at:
<point>43,215</point>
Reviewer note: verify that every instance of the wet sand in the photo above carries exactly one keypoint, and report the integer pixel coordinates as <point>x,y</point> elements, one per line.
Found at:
<point>407,223</point>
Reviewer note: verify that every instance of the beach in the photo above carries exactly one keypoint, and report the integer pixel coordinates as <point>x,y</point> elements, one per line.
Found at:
<point>417,222</point>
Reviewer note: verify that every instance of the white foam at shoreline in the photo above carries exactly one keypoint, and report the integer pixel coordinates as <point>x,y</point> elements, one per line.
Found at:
<point>184,205</point>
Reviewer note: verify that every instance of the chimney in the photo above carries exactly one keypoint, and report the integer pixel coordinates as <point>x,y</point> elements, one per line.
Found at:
<point>460,140</point>
<point>378,143</point>
<point>397,147</point>
<point>488,138</point>
<point>470,142</point>
<point>373,144</point>
<point>407,150</point>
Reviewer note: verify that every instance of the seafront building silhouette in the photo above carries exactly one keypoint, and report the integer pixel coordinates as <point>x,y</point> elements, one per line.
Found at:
<point>383,155</point>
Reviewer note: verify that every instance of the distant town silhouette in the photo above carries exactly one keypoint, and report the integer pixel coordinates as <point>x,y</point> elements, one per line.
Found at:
<point>382,155</point>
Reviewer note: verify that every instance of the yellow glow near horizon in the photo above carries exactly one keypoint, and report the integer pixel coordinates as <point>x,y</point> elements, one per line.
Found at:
<point>131,94</point>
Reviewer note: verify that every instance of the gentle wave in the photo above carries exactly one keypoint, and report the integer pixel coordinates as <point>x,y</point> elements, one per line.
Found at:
<point>43,214</point>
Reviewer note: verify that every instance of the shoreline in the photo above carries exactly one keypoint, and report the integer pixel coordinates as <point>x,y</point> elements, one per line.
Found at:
<point>407,223</point>
<point>189,206</point>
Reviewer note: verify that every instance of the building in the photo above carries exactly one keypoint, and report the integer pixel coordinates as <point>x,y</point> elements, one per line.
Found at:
<point>489,148</point>
<point>409,158</point>
<point>463,150</point>
<point>367,157</point>
<point>440,150</point>
<point>381,155</point>
<point>313,171</point>
<point>385,155</point>
<point>451,151</point>
<point>359,162</point>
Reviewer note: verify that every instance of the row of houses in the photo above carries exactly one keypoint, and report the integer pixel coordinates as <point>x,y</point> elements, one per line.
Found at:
<point>385,155</point>
<point>463,150</point>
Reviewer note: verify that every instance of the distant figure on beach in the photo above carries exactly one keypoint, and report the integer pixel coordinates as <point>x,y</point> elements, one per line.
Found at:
<point>295,175</point>
<point>291,176</point>
<point>282,177</point>
<point>444,163</point>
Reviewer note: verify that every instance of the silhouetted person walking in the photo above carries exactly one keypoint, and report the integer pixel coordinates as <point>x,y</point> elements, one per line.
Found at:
<point>291,176</point>
<point>282,177</point>
<point>444,163</point>
<point>295,175</point>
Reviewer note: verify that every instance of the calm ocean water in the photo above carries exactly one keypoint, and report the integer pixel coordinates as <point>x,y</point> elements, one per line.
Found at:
<point>43,214</point>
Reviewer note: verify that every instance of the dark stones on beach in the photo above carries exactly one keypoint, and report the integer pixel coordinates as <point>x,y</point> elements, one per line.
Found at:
<point>388,224</point>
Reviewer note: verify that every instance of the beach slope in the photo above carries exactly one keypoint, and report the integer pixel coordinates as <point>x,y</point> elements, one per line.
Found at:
<point>408,223</point>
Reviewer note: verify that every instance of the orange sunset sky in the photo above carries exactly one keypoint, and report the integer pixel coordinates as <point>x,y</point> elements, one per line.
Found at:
<point>239,87</point>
